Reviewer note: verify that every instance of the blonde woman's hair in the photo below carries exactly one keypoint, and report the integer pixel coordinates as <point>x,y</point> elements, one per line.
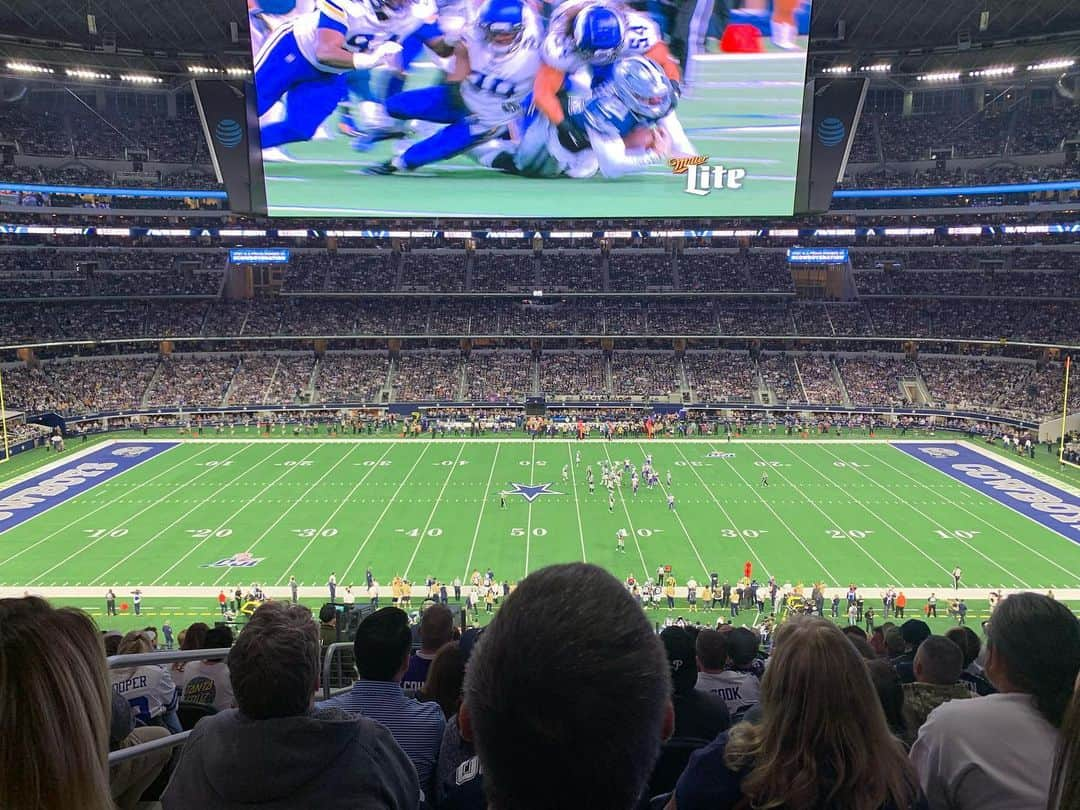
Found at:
<point>54,709</point>
<point>823,740</point>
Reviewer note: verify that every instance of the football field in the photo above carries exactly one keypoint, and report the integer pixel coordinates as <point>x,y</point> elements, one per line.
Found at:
<point>185,517</point>
<point>743,112</point>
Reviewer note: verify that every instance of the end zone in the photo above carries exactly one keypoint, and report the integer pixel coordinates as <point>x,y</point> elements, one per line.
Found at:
<point>70,477</point>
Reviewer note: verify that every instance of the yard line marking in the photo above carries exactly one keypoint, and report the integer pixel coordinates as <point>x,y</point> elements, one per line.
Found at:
<point>386,509</point>
<point>827,516</point>
<point>981,519</point>
<point>874,514</point>
<point>292,506</point>
<point>83,517</point>
<point>434,509</point>
<point>92,543</point>
<point>243,506</point>
<point>480,517</point>
<point>630,521</point>
<point>784,523</point>
<point>528,514</point>
<point>577,503</point>
<point>727,516</point>
<point>678,517</point>
<point>337,509</point>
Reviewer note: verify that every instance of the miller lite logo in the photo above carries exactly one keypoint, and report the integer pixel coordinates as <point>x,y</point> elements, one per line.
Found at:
<point>701,178</point>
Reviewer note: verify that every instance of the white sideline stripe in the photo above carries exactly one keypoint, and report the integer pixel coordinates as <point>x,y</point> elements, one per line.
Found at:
<point>292,506</point>
<point>723,509</point>
<point>480,517</point>
<point>870,511</point>
<point>776,514</point>
<point>629,520</point>
<point>986,522</point>
<point>97,509</point>
<point>313,592</point>
<point>389,503</point>
<point>337,509</point>
<point>678,517</point>
<point>577,502</point>
<point>243,506</point>
<point>933,521</point>
<point>523,440</point>
<point>434,509</point>
<point>127,520</point>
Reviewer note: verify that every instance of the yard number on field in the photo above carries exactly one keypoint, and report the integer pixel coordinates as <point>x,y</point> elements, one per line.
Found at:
<point>853,534</point>
<point>206,534</point>
<point>309,533</point>
<point>433,532</point>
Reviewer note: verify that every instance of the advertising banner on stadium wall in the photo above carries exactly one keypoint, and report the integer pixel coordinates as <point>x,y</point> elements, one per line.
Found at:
<point>584,114</point>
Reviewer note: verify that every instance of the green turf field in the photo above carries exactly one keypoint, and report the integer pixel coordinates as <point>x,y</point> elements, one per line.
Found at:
<point>835,511</point>
<point>743,111</point>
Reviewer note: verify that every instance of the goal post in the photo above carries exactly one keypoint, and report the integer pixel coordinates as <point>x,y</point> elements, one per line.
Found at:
<point>6,454</point>
<point>1065,415</point>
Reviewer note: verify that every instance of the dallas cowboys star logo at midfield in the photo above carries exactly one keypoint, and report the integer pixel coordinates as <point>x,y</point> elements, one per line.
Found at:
<point>531,492</point>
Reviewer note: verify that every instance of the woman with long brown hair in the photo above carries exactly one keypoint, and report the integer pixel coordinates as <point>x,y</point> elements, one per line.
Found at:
<point>1065,787</point>
<point>54,709</point>
<point>822,741</point>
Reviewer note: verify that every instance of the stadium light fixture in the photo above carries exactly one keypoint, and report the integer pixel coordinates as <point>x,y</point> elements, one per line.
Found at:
<point>993,72</point>
<point>139,78</point>
<point>238,71</point>
<point>878,68</point>
<point>203,70</point>
<point>943,76</point>
<point>1053,64</point>
<point>838,69</point>
<point>26,67</point>
<point>83,73</point>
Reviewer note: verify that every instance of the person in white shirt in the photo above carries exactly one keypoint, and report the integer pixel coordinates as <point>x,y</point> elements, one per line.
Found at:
<point>207,682</point>
<point>998,751</point>
<point>350,597</point>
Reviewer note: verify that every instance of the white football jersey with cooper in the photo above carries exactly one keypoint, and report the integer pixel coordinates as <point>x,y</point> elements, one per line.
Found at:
<point>363,28</point>
<point>149,691</point>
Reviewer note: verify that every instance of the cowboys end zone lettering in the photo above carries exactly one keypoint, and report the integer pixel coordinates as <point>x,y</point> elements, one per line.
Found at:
<point>33,496</point>
<point>1054,508</point>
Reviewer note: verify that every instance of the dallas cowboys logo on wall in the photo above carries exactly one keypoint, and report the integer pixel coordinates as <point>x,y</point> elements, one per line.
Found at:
<point>531,492</point>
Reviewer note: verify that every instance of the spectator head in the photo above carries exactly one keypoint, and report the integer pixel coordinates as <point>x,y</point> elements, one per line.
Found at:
<point>134,642</point>
<point>853,632</point>
<point>382,645</point>
<point>328,614</point>
<point>1033,646</point>
<point>938,661</point>
<point>436,628</point>
<point>967,640</point>
<point>711,650</point>
<point>914,632</point>
<point>274,664</point>
<point>894,642</point>
<point>1065,787</point>
<point>218,638</point>
<point>890,692</point>
<point>111,640</point>
<point>682,659</point>
<point>195,637</point>
<point>742,647</point>
<point>445,679</point>
<point>55,701</point>
<point>553,677</point>
<point>823,740</point>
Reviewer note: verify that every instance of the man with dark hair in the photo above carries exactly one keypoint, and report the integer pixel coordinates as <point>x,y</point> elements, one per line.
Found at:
<point>382,646</point>
<point>998,751</point>
<point>970,645</point>
<point>436,630</point>
<point>938,663</point>
<point>914,632</point>
<point>726,661</point>
<point>275,751</point>
<point>698,714</point>
<point>567,700</point>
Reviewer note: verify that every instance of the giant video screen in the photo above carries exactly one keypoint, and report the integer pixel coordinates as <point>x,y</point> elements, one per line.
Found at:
<point>513,108</point>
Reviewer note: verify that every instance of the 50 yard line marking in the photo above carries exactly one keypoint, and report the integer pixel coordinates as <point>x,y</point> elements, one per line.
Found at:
<point>243,506</point>
<point>835,525</point>
<point>577,503</point>
<point>333,514</point>
<point>92,543</point>
<point>528,514</point>
<point>434,509</point>
<point>386,509</point>
<point>107,504</point>
<point>294,504</point>
<point>480,517</point>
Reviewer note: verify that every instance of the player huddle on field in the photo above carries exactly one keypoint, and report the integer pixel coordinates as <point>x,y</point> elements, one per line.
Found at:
<point>594,91</point>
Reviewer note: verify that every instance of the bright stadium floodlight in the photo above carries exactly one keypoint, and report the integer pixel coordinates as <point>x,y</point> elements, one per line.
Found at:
<point>1053,64</point>
<point>202,70</point>
<point>994,72</point>
<point>838,69</point>
<point>878,68</point>
<point>238,71</point>
<point>139,78</point>
<point>83,73</point>
<point>26,67</point>
<point>943,76</point>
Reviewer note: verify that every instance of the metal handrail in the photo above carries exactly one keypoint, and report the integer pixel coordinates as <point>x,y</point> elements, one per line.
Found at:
<point>328,657</point>
<point>171,741</point>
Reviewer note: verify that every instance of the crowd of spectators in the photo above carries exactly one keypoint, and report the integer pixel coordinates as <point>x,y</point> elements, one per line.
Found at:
<point>498,376</point>
<point>345,377</point>
<point>720,376</point>
<point>644,374</point>
<point>579,374</point>
<point>507,272</point>
<point>427,376</point>
<point>876,380</point>
<point>818,378</point>
<point>435,271</point>
<point>270,379</point>
<point>1022,389</point>
<point>640,270</point>
<point>191,382</point>
<point>781,378</point>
